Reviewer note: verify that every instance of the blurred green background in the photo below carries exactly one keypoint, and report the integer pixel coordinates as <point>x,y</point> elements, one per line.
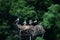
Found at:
<point>46,11</point>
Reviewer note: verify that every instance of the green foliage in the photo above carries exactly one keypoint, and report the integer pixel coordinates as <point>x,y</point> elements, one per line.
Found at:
<point>4,5</point>
<point>51,16</point>
<point>4,26</point>
<point>51,19</point>
<point>45,10</point>
<point>39,38</point>
<point>47,18</point>
<point>20,9</point>
<point>6,31</point>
